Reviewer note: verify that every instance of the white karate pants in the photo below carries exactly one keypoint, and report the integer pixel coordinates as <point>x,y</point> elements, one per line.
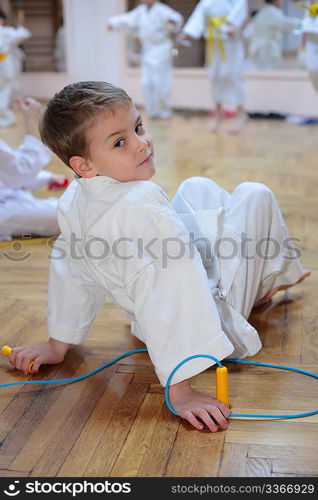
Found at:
<point>269,259</point>
<point>227,80</point>
<point>156,81</point>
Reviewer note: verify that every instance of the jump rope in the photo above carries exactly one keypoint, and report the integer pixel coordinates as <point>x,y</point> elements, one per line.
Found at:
<point>222,386</point>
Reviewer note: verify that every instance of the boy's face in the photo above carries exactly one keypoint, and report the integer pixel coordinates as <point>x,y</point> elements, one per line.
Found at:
<point>119,147</point>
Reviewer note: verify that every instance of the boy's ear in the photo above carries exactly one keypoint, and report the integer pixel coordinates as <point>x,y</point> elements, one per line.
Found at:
<point>82,167</point>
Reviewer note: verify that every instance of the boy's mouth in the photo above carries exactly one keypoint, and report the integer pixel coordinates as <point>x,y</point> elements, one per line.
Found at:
<point>149,158</point>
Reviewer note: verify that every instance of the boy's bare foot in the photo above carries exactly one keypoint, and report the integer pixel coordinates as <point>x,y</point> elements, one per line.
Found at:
<point>197,408</point>
<point>268,297</point>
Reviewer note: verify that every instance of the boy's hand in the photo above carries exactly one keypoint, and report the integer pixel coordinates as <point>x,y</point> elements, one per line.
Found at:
<point>50,353</point>
<point>198,409</point>
<point>181,38</point>
<point>230,29</point>
<point>31,109</point>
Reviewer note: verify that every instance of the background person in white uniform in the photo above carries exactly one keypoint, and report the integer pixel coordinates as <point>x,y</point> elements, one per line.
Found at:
<point>10,65</point>
<point>220,22</point>
<point>309,30</point>
<point>21,174</point>
<point>265,44</point>
<point>155,24</point>
<point>123,240</point>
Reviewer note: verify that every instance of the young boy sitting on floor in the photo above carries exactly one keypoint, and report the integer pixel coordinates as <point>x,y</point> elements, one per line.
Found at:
<point>170,266</point>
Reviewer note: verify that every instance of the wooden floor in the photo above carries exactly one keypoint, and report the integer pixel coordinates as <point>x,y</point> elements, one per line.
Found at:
<point>116,422</point>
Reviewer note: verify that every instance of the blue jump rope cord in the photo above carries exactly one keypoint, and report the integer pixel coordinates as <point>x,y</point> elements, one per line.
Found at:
<point>233,360</point>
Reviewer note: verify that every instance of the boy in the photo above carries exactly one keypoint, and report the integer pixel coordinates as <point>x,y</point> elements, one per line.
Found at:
<point>265,44</point>
<point>309,30</point>
<point>122,239</point>
<point>21,174</point>
<point>220,22</point>
<point>10,39</point>
<point>154,24</point>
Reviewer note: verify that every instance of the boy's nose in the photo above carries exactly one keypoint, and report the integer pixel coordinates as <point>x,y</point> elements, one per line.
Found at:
<point>142,144</point>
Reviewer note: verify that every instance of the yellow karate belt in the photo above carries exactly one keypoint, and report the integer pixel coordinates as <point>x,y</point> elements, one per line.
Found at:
<point>311,9</point>
<point>3,56</point>
<point>214,37</point>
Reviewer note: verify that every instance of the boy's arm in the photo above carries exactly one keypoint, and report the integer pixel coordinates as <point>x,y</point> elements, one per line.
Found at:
<point>196,25</point>
<point>174,20</point>
<point>73,299</point>
<point>285,23</point>
<point>73,304</point>
<point>18,35</point>
<point>126,20</point>
<point>20,166</point>
<point>239,14</point>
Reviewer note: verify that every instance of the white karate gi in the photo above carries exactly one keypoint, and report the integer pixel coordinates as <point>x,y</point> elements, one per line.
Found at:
<point>10,38</point>
<point>265,44</point>
<point>226,75</point>
<point>155,33</point>
<point>20,173</point>
<point>310,29</point>
<point>126,242</point>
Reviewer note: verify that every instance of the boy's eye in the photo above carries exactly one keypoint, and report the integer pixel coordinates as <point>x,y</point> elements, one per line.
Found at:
<point>120,143</point>
<point>140,128</point>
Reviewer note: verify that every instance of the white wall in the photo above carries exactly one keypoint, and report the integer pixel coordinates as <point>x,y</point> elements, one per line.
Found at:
<point>287,92</point>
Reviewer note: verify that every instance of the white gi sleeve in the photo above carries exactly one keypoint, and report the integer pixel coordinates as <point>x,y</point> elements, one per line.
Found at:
<point>173,15</point>
<point>175,312</point>
<point>283,22</point>
<point>20,166</point>
<point>126,20</point>
<point>18,35</point>
<point>73,300</point>
<point>239,13</point>
<point>196,24</point>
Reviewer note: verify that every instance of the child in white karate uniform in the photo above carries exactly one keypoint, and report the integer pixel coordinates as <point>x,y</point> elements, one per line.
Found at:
<point>309,30</point>
<point>155,24</point>
<point>220,22</point>
<point>265,44</point>
<point>10,38</point>
<point>176,269</point>
<point>21,174</point>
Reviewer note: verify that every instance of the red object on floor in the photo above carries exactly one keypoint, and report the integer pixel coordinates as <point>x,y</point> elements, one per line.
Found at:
<point>55,186</point>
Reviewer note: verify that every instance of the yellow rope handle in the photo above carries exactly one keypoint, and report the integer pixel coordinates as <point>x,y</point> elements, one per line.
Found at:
<point>222,385</point>
<point>6,351</point>
<point>214,36</point>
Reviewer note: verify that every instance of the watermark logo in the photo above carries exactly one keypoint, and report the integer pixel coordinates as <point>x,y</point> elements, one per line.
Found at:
<point>160,249</point>
<point>13,492</point>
